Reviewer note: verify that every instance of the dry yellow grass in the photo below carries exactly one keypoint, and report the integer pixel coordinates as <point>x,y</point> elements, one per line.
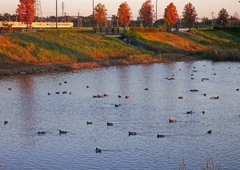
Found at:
<point>174,40</point>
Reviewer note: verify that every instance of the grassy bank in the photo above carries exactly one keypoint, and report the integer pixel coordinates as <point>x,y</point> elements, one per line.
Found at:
<point>206,44</point>
<point>57,47</point>
<point>70,48</point>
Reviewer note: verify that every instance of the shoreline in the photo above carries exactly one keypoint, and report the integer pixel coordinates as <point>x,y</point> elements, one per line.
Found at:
<point>37,69</point>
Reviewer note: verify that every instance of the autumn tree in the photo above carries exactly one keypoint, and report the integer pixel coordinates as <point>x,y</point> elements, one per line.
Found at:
<point>146,13</point>
<point>124,14</point>
<point>189,14</point>
<point>100,13</point>
<point>170,15</point>
<point>223,17</point>
<point>26,11</point>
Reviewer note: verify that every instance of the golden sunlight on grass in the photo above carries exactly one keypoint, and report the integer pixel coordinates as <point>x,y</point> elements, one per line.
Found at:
<point>174,40</point>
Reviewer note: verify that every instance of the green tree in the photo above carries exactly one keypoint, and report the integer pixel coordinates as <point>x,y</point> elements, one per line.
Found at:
<point>223,17</point>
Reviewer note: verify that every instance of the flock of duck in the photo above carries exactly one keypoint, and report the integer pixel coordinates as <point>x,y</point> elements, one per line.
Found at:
<point>127,97</point>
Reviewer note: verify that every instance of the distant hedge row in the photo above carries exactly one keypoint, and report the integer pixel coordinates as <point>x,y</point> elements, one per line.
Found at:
<point>144,29</point>
<point>228,29</point>
<point>67,31</point>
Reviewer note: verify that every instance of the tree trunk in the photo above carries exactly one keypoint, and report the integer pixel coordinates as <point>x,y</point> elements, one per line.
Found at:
<point>27,26</point>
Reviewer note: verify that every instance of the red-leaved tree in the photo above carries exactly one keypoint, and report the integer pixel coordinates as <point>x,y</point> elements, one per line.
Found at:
<point>100,13</point>
<point>125,14</point>
<point>26,11</point>
<point>146,13</point>
<point>189,14</point>
<point>170,15</point>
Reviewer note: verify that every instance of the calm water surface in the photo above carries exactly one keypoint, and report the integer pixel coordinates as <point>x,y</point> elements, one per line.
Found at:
<point>30,109</point>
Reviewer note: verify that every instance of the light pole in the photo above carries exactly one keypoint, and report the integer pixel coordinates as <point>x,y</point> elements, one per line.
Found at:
<point>93,14</point>
<point>156,12</point>
<point>56,16</point>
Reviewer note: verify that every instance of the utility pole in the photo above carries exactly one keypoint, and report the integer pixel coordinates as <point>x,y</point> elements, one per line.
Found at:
<point>212,19</point>
<point>56,16</point>
<point>78,19</point>
<point>93,14</point>
<point>16,14</point>
<point>204,21</point>
<point>156,9</point>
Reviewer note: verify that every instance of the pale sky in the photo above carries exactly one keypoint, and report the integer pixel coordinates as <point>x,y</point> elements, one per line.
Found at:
<point>203,7</point>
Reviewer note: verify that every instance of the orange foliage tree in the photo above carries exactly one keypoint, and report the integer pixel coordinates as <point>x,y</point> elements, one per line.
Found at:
<point>146,13</point>
<point>100,13</point>
<point>170,15</point>
<point>124,14</point>
<point>26,11</point>
<point>189,14</point>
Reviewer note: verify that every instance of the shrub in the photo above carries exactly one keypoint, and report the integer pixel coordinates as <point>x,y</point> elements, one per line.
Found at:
<point>143,30</point>
<point>162,28</point>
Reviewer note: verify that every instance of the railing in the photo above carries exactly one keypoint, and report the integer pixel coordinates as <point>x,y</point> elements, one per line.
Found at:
<point>106,30</point>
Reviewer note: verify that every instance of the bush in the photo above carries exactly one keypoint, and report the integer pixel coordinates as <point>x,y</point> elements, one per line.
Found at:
<point>162,28</point>
<point>228,29</point>
<point>66,31</point>
<point>143,30</point>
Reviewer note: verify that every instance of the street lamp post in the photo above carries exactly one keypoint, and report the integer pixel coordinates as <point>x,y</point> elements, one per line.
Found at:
<point>56,16</point>
<point>156,12</point>
<point>93,14</point>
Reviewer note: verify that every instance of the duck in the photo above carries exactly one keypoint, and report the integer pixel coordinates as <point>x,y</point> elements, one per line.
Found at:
<point>65,82</point>
<point>205,94</point>
<point>98,150</point>
<point>9,88</point>
<point>70,93</point>
<point>171,121</point>
<point>116,105</point>
<point>180,97</point>
<point>237,89</point>
<point>58,92</point>
<point>209,132</point>
<point>119,96</point>
<point>89,122</point>
<point>203,112</point>
<point>194,90</point>
<point>127,97</point>
<point>191,74</point>
<point>146,88</point>
<point>105,94</point>
<point>95,96</point>
<point>41,132</point>
<point>60,84</point>
<point>132,133</point>
<point>214,74</point>
<point>109,124</point>
<point>64,132</point>
<point>189,112</point>
<point>192,78</point>
<point>87,87</point>
<point>160,136</point>
<point>5,122</point>
<point>65,92</point>
<point>100,96</point>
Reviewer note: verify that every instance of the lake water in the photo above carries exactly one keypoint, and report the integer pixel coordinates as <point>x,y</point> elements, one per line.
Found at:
<point>28,109</point>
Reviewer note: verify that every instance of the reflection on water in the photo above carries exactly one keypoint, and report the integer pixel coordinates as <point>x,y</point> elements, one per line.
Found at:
<point>30,109</point>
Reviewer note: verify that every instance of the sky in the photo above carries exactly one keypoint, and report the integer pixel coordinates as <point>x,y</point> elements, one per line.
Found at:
<point>204,8</point>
